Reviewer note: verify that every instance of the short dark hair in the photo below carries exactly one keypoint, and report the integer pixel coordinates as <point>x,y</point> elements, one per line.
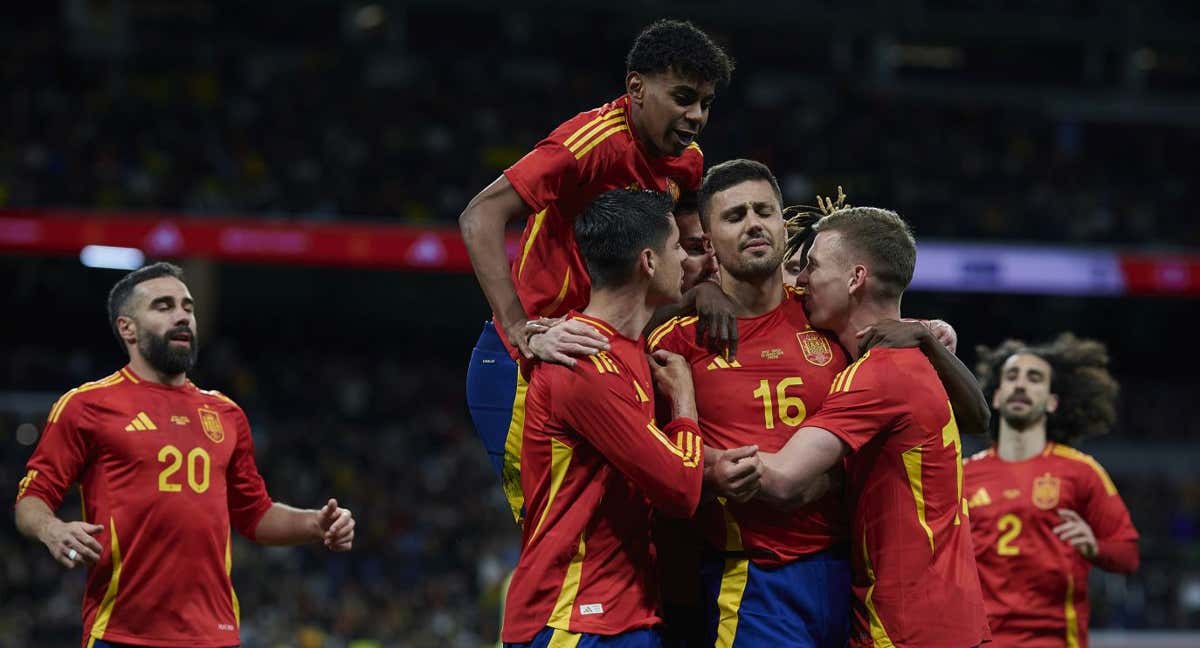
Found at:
<point>884,238</point>
<point>1079,376</point>
<point>616,227</point>
<point>118,297</point>
<point>731,173</point>
<point>678,44</point>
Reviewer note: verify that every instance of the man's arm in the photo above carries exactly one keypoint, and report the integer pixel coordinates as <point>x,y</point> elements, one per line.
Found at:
<point>483,225</point>
<point>716,324</point>
<point>971,409</point>
<point>35,520</point>
<point>285,525</point>
<point>799,472</point>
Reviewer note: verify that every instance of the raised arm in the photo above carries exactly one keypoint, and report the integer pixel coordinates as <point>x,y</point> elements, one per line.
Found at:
<point>483,225</point>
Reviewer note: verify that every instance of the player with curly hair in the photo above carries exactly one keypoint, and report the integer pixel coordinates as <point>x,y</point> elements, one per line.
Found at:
<point>646,139</point>
<point>1042,512</point>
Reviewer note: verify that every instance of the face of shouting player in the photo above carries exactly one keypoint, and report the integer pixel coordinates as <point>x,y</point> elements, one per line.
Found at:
<point>745,224</point>
<point>1023,397</point>
<point>162,324</point>
<point>701,262</point>
<point>666,278</point>
<point>670,110</point>
<point>828,281</point>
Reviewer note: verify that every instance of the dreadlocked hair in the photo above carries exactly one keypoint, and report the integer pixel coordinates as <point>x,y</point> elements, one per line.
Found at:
<point>1079,375</point>
<point>800,219</point>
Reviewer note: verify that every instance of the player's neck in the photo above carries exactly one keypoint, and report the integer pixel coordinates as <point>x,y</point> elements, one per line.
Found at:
<point>754,297</point>
<point>639,131</point>
<point>146,372</point>
<point>1018,445</point>
<point>625,309</point>
<point>863,314</point>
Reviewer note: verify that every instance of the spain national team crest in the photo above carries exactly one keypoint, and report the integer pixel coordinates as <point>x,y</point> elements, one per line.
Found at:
<point>815,347</point>
<point>1045,491</point>
<point>210,421</point>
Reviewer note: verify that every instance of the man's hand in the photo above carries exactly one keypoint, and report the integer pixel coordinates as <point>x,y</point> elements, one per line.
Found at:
<point>895,334</point>
<point>561,340</point>
<point>943,333</point>
<point>735,473</point>
<point>717,328</point>
<point>337,526</point>
<point>673,378</point>
<point>906,334</point>
<point>518,335</point>
<point>71,543</point>
<point>1075,532</point>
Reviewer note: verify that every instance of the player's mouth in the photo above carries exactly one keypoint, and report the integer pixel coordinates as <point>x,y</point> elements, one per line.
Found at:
<point>756,245</point>
<point>685,137</point>
<point>1019,400</point>
<point>182,337</point>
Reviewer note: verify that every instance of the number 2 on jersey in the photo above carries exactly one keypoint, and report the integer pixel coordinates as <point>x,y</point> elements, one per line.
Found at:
<point>791,408</point>
<point>1010,528</point>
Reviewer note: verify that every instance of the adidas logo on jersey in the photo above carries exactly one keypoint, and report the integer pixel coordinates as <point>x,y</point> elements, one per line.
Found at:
<point>720,363</point>
<point>141,422</point>
<point>980,498</point>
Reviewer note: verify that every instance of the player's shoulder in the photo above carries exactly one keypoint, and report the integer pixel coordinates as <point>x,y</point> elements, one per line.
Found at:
<point>216,400</point>
<point>1083,463</point>
<point>89,392</point>
<point>981,458</point>
<point>590,129</point>
<point>676,334</point>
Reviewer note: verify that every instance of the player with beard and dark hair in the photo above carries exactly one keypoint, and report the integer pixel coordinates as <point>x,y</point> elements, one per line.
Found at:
<point>166,470</point>
<point>1043,513</point>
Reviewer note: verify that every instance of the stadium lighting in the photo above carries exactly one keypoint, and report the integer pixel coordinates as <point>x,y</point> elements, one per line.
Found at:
<point>112,258</point>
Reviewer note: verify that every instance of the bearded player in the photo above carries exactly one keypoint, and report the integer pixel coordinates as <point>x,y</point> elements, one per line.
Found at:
<point>166,471</point>
<point>1043,513</point>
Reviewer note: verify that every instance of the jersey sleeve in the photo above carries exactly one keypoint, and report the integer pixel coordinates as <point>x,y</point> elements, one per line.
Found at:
<point>60,457</point>
<point>247,492</point>
<point>544,174</point>
<point>863,401</point>
<point>1105,512</point>
<point>695,168</point>
<point>671,336</point>
<point>666,464</point>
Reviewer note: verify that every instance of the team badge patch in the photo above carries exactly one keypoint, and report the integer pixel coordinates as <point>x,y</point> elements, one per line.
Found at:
<point>210,421</point>
<point>815,347</point>
<point>1045,491</point>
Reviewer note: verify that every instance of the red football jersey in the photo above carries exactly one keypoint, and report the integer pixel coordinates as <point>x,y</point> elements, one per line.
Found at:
<point>782,373</point>
<point>167,471</point>
<point>593,464</point>
<point>914,568</point>
<point>591,153</point>
<point>1034,584</point>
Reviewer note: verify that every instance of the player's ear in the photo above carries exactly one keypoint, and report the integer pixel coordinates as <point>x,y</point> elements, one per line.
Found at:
<point>635,85</point>
<point>127,328</point>
<point>857,280</point>
<point>1052,404</point>
<point>647,262</point>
